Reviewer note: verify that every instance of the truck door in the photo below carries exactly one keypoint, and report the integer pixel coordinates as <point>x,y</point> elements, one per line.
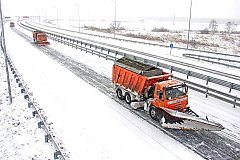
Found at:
<point>159,97</point>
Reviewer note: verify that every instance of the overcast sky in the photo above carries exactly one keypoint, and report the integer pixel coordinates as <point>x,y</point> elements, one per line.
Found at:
<point>94,9</point>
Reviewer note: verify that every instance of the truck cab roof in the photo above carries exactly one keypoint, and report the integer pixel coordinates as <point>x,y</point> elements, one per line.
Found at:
<point>170,83</point>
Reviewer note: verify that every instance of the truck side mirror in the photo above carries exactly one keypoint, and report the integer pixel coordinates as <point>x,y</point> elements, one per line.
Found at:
<point>160,94</point>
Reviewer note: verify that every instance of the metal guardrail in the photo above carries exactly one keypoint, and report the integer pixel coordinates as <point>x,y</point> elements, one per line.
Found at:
<point>195,86</point>
<point>81,44</point>
<point>42,123</point>
<point>163,65</point>
<point>207,59</point>
<point>212,92</point>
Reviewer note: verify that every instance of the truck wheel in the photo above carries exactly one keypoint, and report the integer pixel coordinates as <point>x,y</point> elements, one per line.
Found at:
<point>153,113</point>
<point>128,98</point>
<point>119,94</point>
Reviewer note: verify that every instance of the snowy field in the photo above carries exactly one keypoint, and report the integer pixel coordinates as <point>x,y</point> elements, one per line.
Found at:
<point>92,125</point>
<point>177,32</point>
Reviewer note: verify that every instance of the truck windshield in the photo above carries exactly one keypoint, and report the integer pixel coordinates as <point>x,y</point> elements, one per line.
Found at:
<point>176,91</point>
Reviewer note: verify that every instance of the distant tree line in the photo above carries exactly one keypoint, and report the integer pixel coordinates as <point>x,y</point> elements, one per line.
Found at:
<point>230,27</point>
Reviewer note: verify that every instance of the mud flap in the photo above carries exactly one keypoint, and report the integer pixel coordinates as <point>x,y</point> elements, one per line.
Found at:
<point>179,120</point>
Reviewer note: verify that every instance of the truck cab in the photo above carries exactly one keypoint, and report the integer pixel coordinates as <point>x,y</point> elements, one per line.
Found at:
<point>171,94</point>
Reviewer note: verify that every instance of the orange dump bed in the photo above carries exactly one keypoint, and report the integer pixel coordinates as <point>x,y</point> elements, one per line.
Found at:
<point>136,76</point>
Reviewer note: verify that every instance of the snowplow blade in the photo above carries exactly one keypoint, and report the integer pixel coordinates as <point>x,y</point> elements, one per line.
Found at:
<point>43,43</point>
<point>179,120</point>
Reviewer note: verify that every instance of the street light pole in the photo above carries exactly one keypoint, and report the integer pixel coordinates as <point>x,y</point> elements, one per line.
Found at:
<point>78,17</point>
<point>115,17</point>
<point>57,17</point>
<point>3,46</point>
<point>189,23</point>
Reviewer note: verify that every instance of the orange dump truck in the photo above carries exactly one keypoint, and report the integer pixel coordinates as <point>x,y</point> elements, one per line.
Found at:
<point>40,37</point>
<point>165,99</point>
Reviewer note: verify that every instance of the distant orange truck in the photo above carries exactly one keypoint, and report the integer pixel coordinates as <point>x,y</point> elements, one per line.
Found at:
<point>40,37</point>
<point>12,24</point>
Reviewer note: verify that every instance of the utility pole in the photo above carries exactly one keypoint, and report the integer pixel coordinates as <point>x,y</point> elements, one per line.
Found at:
<point>115,17</point>
<point>3,45</point>
<point>57,17</point>
<point>78,16</point>
<point>189,23</point>
<point>174,18</point>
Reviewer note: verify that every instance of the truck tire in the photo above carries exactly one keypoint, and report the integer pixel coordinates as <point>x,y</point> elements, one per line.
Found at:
<point>128,98</point>
<point>153,112</point>
<point>119,94</point>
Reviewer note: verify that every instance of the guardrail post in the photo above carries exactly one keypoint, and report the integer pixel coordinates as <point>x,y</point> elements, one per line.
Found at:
<point>206,94</point>
<point>40,124</point>
<point>56,154</point>
<point>22,90</point>
<point>26,96</point>
<point>207,80</point>
<point>20,84</point>
<point>234,103</point>
<point>30,104</point>
<point>17,80</point>
<point>47,138</point>
<point>231,86</point>
<point>188,74</point>
<point>34,113</point>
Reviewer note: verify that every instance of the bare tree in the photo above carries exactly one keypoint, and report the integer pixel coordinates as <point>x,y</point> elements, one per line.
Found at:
<point>118,26</point>
<point>230,27</point>
<point>213,26</point>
